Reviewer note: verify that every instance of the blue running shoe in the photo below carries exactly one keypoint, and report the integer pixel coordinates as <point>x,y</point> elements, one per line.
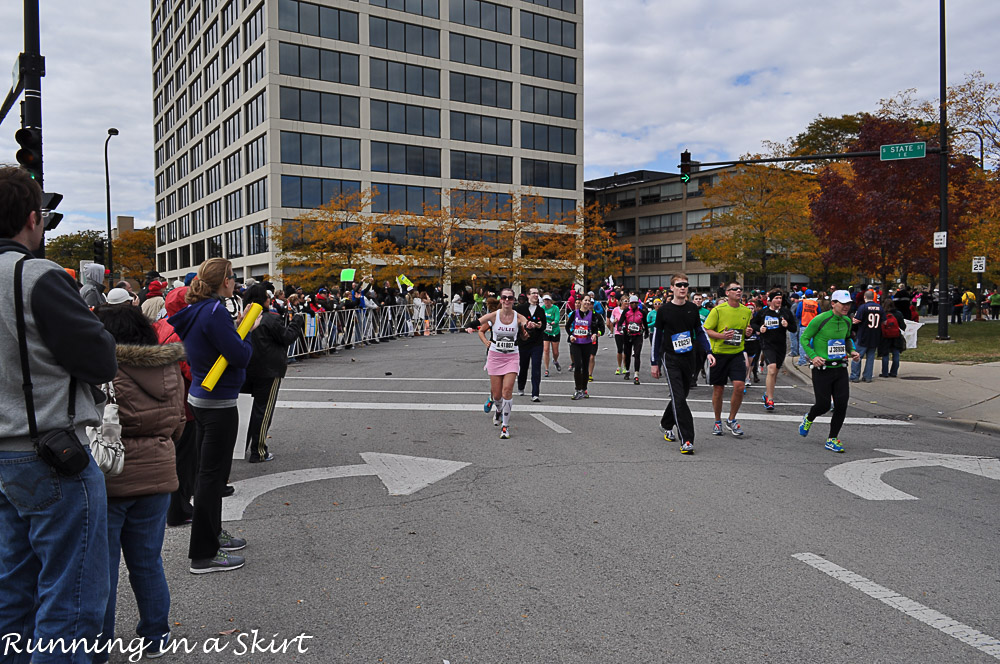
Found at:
<point>717,428</point>
<point>488,405</point>
<point>833,444</point>
<point>734,428</point>
<point>805,426</point>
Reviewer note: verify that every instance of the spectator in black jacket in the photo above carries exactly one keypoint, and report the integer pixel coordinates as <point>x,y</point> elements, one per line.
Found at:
<point>267,367</point>
<point>531,347</point>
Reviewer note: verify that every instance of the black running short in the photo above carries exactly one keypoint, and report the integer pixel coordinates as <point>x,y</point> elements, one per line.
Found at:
<point>554,338</point>
<point>730,367</point>
<point>620,343</point>
<point>773,355</point>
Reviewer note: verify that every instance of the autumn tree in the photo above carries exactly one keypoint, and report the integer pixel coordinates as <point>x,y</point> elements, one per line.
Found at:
<point>68,250</point>
<point>317,244</point>
<point>764,223</point>
<point>880,216</point>
<point>597,250</point>
<point>135,252</point>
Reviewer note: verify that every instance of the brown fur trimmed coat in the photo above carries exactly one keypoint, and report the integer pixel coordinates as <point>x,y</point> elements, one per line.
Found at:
<point>149,389</point>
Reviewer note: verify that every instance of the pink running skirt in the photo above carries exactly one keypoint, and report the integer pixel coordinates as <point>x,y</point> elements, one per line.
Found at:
<point>501,364</point>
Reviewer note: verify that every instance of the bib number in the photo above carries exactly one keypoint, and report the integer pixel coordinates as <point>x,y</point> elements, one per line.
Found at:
<point>505,345</point>
<point>836,349</point>
<point>681,342</point>
<point>771,323</point>
<point>548,328</point>
<point>736,340</point>
<point>581,331</point>
<point>633,328</point>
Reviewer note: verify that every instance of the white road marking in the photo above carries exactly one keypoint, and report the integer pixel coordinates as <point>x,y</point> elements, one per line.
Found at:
<point>565,410</point>
<point>485,379</point>
<point>401,475</point>
<point>973,637</point>
<point>550,424</point>
<point>466,392</point>
<point>864,476</point>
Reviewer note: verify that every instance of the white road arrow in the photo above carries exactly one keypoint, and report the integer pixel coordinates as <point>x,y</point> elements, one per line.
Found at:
<point>401,475</point>
<point>864,477</point>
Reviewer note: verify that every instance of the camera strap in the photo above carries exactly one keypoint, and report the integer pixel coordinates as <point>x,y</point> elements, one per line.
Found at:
<point>22,341</point>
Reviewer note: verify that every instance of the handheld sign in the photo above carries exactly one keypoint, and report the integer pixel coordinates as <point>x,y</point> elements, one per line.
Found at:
<point>347,274</point>
<point>251,316</point>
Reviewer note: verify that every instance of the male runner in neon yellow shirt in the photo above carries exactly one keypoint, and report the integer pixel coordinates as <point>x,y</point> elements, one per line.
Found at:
<point>727,326</point>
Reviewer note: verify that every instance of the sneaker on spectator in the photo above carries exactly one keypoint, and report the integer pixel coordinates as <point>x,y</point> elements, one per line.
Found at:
<point>222,562</point>
<point>229,543</point>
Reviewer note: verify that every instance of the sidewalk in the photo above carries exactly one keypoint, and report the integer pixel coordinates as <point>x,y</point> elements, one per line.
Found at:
<point>957,396</point>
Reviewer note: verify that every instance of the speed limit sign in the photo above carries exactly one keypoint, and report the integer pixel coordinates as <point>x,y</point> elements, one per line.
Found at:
<point>979,263</point>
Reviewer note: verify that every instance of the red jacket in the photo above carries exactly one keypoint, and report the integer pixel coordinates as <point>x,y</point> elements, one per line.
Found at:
<point>166,335</point>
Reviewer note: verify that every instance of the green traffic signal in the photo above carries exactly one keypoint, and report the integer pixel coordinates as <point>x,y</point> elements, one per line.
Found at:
<point>685,177</point>
<point>30,154</point>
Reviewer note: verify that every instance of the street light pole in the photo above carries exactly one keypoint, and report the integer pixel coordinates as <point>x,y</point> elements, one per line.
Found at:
<point>982,166</point>
<point>107,180</point>
<point>944,295</point>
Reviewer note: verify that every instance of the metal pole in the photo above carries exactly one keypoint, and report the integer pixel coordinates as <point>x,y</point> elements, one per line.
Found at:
<point>982,165</point>
<point>944,295</point>
<point>107,181</point>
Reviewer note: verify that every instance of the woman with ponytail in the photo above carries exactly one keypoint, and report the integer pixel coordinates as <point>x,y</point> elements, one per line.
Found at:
<point>207,330</point>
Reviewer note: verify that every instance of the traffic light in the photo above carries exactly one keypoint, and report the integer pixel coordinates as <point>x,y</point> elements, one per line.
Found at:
<point>99,251</point>
<point>30,154</point>
<point>685,166</point>
<point>50,200</point>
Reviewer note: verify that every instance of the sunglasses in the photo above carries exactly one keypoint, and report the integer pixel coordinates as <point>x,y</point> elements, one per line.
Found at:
<point>682,284</point>
<point>506,297</point>
<point>232,276</point>
<point>736,289</point>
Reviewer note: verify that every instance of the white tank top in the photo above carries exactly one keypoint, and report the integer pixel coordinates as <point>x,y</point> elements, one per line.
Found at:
<point>504,336</point>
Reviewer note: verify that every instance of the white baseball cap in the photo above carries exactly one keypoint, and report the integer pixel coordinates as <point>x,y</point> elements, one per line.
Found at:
<point>547,297</point>
<point>633,298</point>
<point>118,296</point>
<point>841,296</point>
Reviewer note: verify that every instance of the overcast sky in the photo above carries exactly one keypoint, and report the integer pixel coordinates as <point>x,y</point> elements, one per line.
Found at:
<point>714,77</point>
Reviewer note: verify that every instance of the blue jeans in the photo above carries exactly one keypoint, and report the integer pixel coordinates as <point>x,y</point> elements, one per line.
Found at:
<point>793,342</point>
<point>894,354</point>
<point>967,312</point>
<point>53,556</point>
<point>868,357</point>
<point>135,530</point>
<point>803,359</point>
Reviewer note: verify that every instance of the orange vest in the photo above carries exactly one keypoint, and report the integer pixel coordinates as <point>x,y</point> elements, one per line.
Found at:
<point>810,308</point>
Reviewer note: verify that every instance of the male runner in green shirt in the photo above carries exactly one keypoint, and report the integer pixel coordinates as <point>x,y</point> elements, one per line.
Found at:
<point>726,326</point>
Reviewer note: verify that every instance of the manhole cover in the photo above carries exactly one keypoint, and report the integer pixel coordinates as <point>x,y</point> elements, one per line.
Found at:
<point>919,378</point>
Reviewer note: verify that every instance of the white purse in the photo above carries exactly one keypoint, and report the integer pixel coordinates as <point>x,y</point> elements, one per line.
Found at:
<point>106,441</point>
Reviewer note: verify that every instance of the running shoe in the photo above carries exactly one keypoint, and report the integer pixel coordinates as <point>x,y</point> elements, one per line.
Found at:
<point>591,379</point>
<point>520,393</point>
<point>805,426</point>
<point>223,561</point>
<point>687,447</point>
<point>668,434</point>
<point>625,374</point>
<point>577,395</point>
<point>586,394</point>
<point>618,371</point>
<point>769,405</point>
<point>504,433</point>
<point>229,543</point>
<point>558,368</point>
<point>546,373</point>
<point>536,398</point>
<point>717,428</point>
<point>764,398</point>
<point>488,405</point>
<point>833,444</point>
<point>636,379</point>
<point>734,427</point>
<point>496,418</point>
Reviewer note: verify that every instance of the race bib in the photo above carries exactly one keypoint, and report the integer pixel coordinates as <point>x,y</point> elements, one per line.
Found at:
<point>736,340</point>
<point>633,328</point>
<point>548,328</point>
<point>836,349</point>
<point>505,345</point>
<point>770,322</point>
<point>681,342</point>
<point>581,331</point>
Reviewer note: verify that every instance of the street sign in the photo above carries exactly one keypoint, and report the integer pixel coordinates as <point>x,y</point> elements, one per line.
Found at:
<point>903,151</point>
<point>979,263</point>
<point>941,240</point>
<point>864,477</point>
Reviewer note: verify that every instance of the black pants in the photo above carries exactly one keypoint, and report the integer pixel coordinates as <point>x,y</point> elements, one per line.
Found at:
<point>264,391</point>
<point>580,355</point>
<point>632,345</point>
<point>827,383</point>
<point>680,377</point>
<point>216,436</point>
<point>186,453</point>
<point>530,354</point>
<point>995,311</point>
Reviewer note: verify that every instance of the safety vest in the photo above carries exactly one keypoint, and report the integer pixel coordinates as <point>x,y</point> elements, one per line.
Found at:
<point>810,309</point>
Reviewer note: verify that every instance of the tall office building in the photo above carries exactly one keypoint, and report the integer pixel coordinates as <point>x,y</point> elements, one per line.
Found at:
<point>265,109</point>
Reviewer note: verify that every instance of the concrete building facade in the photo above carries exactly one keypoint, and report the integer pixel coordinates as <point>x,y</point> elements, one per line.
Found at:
<point>265,109</point>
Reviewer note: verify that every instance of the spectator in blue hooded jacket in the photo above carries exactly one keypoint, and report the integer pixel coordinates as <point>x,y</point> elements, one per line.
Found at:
<point>207,330</point>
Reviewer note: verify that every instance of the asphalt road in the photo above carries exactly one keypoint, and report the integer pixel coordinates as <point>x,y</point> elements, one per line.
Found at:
<point>602,545</point>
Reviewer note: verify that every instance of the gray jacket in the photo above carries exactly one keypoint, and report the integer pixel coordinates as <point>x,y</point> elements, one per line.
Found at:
<point>64,339</point>
<point>93,285</point>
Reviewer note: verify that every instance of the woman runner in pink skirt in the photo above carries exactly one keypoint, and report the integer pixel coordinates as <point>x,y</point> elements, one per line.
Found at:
<point>502,357</point>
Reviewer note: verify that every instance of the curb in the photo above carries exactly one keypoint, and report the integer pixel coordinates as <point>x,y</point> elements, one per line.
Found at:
<point>976,426</point>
